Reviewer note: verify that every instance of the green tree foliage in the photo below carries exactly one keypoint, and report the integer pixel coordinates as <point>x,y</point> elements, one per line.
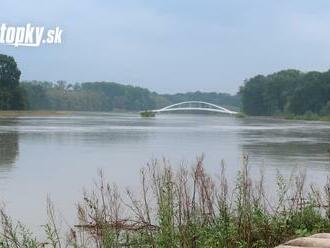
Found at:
<point>108,96</point>
<point>286,92</point>
<point>326,109</point>
<point>253,101</point>
<point>11,96</point>
<point>36,95</point>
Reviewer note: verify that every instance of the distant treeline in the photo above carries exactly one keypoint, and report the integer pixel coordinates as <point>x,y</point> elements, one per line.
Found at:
<point>108,96</point>
<point>91,96</point>
<point>287,92</point>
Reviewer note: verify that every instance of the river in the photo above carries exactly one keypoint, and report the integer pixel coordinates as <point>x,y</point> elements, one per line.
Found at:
<point>60,155</point>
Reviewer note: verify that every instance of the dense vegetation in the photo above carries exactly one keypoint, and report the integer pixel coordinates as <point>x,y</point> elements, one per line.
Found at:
<point>108,96</point>
<point>90,96</point>
<point>98,96</point>
<point>287,92</point>
<point>11,96</point>
<point>185,208</point>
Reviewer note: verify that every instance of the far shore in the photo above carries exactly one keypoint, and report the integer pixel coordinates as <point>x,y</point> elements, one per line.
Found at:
<point>27,113</point>
<point>294,117</point>
<point>18,113</point>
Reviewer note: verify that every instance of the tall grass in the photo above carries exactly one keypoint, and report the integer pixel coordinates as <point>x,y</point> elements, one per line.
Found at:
<point>186,208</point>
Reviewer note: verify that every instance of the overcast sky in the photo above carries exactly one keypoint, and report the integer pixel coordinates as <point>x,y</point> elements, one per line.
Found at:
<point>172,45</point>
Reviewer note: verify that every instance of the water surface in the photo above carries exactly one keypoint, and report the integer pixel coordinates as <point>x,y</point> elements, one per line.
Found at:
<point>58,156</point>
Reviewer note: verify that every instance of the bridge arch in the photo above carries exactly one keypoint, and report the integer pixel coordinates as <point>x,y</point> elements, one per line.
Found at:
<point>194,105</point>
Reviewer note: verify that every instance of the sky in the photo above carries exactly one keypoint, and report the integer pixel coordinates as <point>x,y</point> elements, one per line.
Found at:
<point>172,46</point>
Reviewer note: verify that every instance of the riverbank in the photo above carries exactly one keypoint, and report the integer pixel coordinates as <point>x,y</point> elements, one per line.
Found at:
<point>185,208</point>
<point>31,113</point>
<point>292,117</point>
<point>311,117</point>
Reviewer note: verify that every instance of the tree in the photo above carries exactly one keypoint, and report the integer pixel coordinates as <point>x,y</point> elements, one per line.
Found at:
<point>36,96</point>
<point>326,109</point>
<point>11,96</point>
<point>288,91</point>
<point>252,93</point>
<point>311,94</point>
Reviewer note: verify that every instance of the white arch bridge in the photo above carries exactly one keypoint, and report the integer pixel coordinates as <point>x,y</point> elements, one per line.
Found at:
<point>194,106</point>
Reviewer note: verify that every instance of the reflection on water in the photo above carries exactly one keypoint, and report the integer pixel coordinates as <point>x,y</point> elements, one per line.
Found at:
<point>283,143</point>
<point>8,149</point>
<point>9,144</point>
<point>61,155</point>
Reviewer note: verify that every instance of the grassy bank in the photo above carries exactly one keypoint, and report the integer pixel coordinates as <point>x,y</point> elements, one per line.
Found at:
<point>186,208</point>
<point>12,113</point>
<point>308,117</point>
